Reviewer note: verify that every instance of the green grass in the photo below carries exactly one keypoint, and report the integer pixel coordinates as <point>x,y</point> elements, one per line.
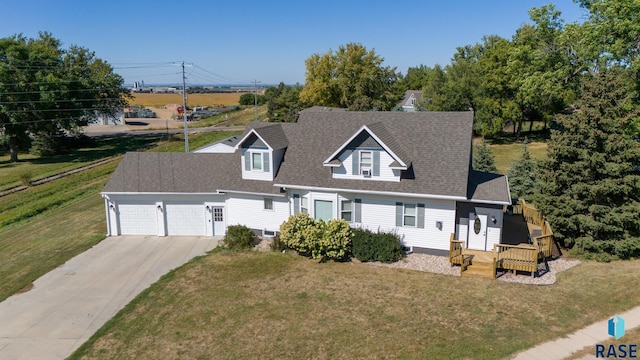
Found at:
<point>45,225</point>
<point>273,305</point>
<point>40,167</point>
<point>506,152</point>
<point>240,117</point>
<point>56,222</point>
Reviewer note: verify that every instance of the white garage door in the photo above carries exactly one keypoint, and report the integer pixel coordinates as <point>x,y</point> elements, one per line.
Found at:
<point>138,219</point>
<point>186,219</point>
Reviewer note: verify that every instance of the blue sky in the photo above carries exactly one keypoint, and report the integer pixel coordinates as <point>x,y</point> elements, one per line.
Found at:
<point>267,41</point>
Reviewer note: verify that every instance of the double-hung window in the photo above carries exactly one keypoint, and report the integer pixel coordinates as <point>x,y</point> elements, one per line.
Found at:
<point>268,203</point>
<point>346,210</point>
<point>366,163</point>
<point>351,210</point>
<point>256,161</point>
<point>409,216</point>
<point>304,205</point>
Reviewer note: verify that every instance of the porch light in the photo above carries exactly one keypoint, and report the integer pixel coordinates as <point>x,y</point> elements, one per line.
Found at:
<point>493,219</point>
<point>111,206</point>
<point>208,208</point>
<point>439,225</point>
<point>160,208</point>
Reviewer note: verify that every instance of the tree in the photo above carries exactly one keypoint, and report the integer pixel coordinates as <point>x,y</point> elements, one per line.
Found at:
<point>483,159</point>
<point>521,175</point>
<point>352,78</point>
<point>251,99</point>
<point>45,89</point>
<point>590,188</point>
<point>284,102</point>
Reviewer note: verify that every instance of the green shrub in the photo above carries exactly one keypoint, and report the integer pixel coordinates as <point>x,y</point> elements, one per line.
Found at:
<point>239,237</point>
<point>316,239</point>
<point>380,246</point>
<point>334,240</point>
<point>298,233</point>
<point>277,244</point>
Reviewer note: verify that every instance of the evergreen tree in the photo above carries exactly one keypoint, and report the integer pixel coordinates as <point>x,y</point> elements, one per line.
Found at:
<point>483,159</point>
<point>521,175</point>
<point>590,188</point>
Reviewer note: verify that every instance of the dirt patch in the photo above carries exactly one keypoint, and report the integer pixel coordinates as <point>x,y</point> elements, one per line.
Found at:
<point>25,289</point>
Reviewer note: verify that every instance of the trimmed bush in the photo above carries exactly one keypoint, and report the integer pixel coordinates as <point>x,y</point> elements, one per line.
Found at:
<point>380,246</point>
<point>334,241</point>
<point>239,237</point>
<point>316,239</point>
<point>298,233</point>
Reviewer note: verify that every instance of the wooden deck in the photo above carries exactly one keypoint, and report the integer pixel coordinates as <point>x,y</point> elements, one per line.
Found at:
<point>529,240</point>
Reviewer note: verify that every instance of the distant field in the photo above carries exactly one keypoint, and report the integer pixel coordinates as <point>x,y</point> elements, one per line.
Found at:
<point>159,100</point>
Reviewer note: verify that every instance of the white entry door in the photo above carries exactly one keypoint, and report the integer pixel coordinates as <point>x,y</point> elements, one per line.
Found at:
<point>219,224</point>
<point>477,232</point>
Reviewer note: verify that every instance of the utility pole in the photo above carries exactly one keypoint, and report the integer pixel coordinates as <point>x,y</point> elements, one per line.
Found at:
<point>255,96</point>
<point>184,107</point>
<point>184,110</point>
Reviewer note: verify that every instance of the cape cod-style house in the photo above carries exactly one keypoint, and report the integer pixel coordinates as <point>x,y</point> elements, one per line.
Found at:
<point>407,172</point>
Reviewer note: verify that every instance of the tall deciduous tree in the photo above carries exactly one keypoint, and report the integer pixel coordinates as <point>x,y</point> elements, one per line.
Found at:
<point>590,188</point>
<point>45,89</point>
<point>352,77</point>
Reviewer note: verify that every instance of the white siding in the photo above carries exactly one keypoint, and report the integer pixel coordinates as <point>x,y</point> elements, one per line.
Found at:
<point>257,174</point>
<point>493,237</point>
<point>249,210</point>
<point>139,214</point>
<point>380,213</point>
<point>346,169</point>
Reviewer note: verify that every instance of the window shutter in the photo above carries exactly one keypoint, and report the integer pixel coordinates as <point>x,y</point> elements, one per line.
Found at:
<point>398,214</point>
<point>265,162</point>
<point>376,163</point>
<point>355,158</point>
<point>247,160</point>
<point>296,203</point>
<point>421,216</point>
<point>358,211</point>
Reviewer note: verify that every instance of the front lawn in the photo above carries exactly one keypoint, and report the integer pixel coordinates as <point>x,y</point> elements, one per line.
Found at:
<point>272,305</point>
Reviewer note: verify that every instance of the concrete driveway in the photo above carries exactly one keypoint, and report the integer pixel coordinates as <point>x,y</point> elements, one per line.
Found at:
<point>69,304</point>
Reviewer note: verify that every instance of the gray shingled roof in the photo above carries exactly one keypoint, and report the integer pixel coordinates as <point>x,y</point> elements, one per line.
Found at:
<point>407,94</point>
<point>148,172</point>
<point>438,144</point>
<point>488,187</point>
<point>381,131</point>
<point>274,136</point>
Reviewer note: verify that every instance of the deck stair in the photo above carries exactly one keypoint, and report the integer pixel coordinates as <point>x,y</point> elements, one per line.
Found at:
<point>482,264</point>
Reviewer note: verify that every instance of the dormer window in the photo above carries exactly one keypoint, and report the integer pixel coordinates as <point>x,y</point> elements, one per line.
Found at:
<point>256,161</point>
<point>365,163</point>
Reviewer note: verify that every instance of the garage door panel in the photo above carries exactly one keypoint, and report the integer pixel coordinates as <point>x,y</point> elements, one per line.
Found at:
<point>186,219</point>
<point>138,219</point>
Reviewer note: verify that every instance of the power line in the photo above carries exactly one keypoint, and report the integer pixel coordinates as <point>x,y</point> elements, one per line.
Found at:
<point>55,101</point>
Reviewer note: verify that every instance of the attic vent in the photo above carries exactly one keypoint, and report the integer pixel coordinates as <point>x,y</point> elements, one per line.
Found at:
<point>366,172</point>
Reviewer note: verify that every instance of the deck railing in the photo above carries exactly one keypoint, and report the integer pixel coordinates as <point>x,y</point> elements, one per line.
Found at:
<point>516,257</point>
<point>531,214</point>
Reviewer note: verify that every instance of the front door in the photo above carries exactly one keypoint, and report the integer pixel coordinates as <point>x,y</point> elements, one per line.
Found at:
<point>477,232</point>
<point>218,221</point>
